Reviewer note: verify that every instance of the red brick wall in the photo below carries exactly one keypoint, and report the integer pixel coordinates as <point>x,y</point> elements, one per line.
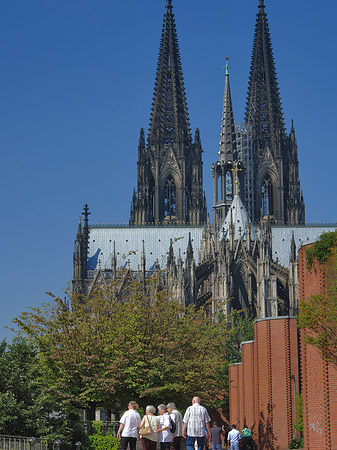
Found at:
<point>248,382</point>
<point>234,393</point>
<point>319,379</point>
<point>262,385</point>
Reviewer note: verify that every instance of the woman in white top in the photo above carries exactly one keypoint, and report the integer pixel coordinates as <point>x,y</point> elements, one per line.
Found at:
<point>129,424</point>
<point>164,428</point>
<point>149,442</point>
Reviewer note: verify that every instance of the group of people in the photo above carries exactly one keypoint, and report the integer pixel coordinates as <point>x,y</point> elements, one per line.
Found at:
<point>243,440</point>
<point>169,426</point>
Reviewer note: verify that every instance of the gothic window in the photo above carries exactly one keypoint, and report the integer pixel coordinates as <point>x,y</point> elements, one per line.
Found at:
<point>229,187</point>
<point>267,196</point>
<point>219,189</point>
<point>170,197</point>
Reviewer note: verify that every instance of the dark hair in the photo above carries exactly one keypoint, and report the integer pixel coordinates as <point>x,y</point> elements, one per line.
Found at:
<point>233,426</point>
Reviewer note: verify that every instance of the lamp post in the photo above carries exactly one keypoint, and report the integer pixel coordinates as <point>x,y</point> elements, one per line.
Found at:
<point>57,444</point>
<point>31,442</point>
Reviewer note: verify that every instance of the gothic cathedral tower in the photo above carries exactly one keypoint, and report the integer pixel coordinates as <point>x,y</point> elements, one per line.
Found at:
<point>276,183</point>
<point>169,168</point>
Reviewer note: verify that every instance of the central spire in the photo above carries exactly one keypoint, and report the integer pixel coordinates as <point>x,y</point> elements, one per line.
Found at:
<point>169,118</point>
<point>227,136</point>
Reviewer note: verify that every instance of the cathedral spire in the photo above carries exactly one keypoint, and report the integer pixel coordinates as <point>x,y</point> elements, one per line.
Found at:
<point>264,110</point>
<point>272,159</point>
<point>169,169</point>
<point>227,136</point>
<point>169,118</point>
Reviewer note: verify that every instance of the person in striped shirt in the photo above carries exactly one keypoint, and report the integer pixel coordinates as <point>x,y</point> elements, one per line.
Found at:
<point>195,422</point>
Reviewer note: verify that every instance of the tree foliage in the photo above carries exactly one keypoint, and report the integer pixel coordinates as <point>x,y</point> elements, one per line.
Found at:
<point>110,348</point>
<point>240,329</point>
<point>22,405</point>
<point>318,314</point>
<point>321,249</point>
<point>26,407</point>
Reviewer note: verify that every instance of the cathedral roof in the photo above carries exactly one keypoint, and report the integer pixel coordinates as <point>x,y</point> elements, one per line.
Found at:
<point>128,245</point>
<point>129,241</point>
<point>237,217</point>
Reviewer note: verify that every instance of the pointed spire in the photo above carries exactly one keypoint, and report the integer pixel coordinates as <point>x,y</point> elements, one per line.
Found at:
<point>141,144</point>
<point>227,136</point>
<point>143,260</point>
<point>264,110</point>
<point>114,259</point>
<point>170,258</point>
<point>189,253</point>
<point>79,230</point>
<point>293,252</point>
<point>197,136</point>
<point>167,122</point>
<point>86,214</point>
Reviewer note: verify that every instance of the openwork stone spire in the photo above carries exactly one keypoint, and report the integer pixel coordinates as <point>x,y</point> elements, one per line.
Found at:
<point>274,166</point>
<point>170,179</point>
<point>263,110</point>
<point>169,118</point>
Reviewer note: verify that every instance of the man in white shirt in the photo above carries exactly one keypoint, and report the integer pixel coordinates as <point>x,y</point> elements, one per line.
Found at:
<point>195,422</point>
<point>128,428</point>
<point>233,438</point>
<point>178,419</point>
<point>164,428</point>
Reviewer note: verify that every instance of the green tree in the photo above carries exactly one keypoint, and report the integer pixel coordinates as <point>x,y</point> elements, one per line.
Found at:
<point>240,329</point>
<point>26,407</point>
<point>113,347</point>
<point>318,314</point>
<point>22,404</point>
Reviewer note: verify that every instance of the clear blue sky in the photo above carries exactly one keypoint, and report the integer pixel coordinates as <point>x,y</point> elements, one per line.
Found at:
<point>77,80</point>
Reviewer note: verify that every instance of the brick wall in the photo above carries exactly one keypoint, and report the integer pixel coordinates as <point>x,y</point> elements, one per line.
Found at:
<point>319,379</point>
<point>261,391</point>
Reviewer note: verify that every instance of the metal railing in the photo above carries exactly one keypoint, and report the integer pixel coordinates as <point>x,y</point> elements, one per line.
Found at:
<point>22,443</point>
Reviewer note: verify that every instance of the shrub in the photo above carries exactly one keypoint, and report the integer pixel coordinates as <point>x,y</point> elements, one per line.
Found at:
<point>99,441</point>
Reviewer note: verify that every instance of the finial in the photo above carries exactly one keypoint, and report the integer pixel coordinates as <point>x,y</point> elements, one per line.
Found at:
<point>236,169</point>
<point>261,4</point>
<point>86,214</point>
<point>227,66</point>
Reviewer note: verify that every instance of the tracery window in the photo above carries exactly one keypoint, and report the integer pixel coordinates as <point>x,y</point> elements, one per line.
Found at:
<point>170,197</point>
<point>229,187</point>
<point>267,196</point>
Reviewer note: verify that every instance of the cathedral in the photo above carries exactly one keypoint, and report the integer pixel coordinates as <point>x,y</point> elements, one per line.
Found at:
<point>246,259</point>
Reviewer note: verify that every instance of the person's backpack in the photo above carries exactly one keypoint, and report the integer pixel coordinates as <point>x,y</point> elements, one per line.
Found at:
<point>173,425</point>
